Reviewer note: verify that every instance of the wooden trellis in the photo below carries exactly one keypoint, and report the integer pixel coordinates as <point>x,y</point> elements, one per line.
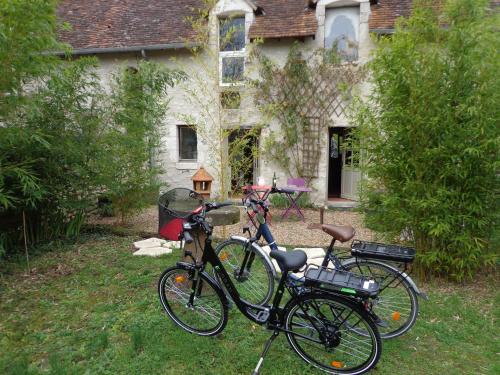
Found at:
<point>311,147</point>
<point>324,92</point>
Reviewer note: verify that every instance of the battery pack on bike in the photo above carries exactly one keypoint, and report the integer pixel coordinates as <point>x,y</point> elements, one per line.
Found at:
<point>340,281</point>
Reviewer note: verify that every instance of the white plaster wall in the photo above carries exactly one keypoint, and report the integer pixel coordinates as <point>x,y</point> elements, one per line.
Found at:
<point>178,174</point>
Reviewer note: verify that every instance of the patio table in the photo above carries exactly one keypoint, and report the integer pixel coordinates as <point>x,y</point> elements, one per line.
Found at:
<point>289,192</point>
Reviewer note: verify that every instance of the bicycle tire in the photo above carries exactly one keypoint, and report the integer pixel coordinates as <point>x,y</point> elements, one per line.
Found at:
<point>207,316</point>
<point>400,314</point>
<point>322,323</point>
<point>257,284</point>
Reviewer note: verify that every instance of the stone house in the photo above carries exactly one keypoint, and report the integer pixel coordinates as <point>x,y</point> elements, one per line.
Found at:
<point>125,31</point>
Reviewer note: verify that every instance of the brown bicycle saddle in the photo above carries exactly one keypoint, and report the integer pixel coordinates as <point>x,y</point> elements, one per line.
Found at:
<point>340,233</point>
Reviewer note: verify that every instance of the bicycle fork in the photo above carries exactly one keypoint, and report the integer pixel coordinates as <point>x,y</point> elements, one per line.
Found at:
<point>264,352</point>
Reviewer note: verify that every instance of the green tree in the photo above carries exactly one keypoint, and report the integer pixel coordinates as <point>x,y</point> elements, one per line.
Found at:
<point>63,139</point>
<point>431,135</point>
<point>138,106</point>
<point>27,32</point>
<point>219,114</point>
<point>51,153</point>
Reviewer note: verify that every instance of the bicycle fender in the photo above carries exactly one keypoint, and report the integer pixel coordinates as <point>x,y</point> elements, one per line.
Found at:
<point>395,269</point>
<point>258,250</point>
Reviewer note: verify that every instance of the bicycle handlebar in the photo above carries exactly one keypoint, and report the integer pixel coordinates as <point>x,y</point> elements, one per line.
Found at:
<point>198,219</point>
<point>216,205</point>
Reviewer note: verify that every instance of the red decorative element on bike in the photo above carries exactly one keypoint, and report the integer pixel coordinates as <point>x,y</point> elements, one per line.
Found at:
<point>172,229</point>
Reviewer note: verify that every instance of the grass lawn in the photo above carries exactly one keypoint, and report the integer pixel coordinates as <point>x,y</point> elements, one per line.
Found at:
<point>92,308</point>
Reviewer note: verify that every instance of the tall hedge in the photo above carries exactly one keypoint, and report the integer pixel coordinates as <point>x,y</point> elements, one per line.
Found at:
<point>64,140</point>
<point>431,136</point>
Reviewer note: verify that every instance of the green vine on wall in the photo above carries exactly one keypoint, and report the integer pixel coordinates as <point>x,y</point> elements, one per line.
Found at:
<point>303,97</point>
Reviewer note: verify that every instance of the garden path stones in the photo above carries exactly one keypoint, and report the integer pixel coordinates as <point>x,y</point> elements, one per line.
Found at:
<point>155,247</point>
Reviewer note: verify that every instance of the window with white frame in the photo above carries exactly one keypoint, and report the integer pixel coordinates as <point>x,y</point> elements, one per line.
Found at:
<point>188,143</point>
<point>231,50</point>
<point>342,31</point>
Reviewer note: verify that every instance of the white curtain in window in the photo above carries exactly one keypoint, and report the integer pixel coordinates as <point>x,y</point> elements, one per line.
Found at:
<point>342,29</point>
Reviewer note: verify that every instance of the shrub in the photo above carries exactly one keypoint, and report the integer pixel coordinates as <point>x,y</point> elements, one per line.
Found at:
<point>280,201</point>
<point>430,132</point>
<point>52,149</point>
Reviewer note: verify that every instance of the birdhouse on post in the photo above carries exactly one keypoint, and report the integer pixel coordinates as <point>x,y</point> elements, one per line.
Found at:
<point>202,182</point>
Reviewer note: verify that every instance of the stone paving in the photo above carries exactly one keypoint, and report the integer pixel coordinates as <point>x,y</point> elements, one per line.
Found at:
<point>291,232</point>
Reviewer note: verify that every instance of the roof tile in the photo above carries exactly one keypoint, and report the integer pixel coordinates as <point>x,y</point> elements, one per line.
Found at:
<point>126,23</point>
<point>101,24</point>
<point>384,14</point>
<point>284,18</point>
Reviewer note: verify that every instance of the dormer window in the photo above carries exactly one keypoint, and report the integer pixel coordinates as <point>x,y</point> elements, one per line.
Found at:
<point>231,50</point>
<point>342,31</point>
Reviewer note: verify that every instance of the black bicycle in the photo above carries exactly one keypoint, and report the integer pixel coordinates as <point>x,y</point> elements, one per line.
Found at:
<point>329,331</point>
<point>395,309</point>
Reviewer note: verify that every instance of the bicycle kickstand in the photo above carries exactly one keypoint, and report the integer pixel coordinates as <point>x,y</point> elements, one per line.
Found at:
<point>264,352</point>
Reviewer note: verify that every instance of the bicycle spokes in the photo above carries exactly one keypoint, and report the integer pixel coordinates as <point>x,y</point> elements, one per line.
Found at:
<point>330,334</point>
<point>198,303</point>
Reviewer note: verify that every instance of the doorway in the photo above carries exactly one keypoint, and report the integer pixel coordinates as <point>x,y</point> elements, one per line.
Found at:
<point>343,167</point>
<point>244,162</point>
<point>335,162</point>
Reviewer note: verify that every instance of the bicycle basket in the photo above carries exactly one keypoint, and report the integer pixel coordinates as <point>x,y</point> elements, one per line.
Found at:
<point>174,207</point>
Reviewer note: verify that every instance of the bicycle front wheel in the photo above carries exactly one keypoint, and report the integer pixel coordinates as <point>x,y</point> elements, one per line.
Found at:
<point>249,271</point>
<point>324,331</point>
<point>396,304</point>
<point>195,303</point>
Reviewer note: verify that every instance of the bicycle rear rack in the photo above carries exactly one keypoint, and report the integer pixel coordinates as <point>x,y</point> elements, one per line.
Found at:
<point>374,250</point>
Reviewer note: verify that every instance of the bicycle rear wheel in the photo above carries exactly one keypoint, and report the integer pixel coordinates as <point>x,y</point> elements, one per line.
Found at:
<point>396,304</point>
<point>249,271</point>
<point>322,329</point>
<point>196,304</point>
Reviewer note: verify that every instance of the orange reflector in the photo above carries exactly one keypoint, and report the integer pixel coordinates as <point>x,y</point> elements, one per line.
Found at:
<point>337,364</point>
<point>396,315</point>
<point>179,279</point>
<point>224,256</point>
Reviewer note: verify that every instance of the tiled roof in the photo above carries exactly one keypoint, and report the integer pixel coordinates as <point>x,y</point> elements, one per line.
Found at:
<point>112,24</point>
<point>101,24</point>
<point>384,14</point>
<point>284,18</point>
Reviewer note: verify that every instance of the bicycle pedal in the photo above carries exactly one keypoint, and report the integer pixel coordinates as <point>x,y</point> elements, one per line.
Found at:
<point>263,316</point>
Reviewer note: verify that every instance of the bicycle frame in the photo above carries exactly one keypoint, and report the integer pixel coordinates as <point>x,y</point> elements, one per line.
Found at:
<point>264,231</point>
<point>303,301</point>
<point>264,314</point>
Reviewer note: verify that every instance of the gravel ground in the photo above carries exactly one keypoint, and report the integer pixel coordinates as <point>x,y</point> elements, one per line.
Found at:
<point>291,231</point>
